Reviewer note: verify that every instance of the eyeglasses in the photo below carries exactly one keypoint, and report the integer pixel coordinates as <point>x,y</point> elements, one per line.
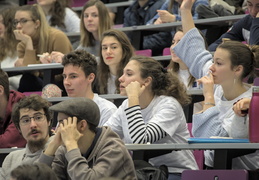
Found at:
<point>26,120</point>
<point>22,22</point>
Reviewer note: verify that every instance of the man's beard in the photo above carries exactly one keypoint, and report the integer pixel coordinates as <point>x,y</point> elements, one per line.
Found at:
<point>36,145</point>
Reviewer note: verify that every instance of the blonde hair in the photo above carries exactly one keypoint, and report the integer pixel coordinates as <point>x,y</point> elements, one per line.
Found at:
<point>37,13</point>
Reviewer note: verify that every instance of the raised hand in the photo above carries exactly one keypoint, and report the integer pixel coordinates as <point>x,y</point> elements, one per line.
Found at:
<point>187,5</point>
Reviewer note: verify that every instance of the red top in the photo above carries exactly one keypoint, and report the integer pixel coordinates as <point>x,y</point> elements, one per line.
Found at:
<point>9,135</point>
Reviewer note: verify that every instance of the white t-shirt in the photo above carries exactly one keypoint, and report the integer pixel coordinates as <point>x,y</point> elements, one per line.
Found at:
<point>14,81</point>
<point>111,87</point>
<point>107,108</point>
<point>71,21</point>
<point>167,113</point>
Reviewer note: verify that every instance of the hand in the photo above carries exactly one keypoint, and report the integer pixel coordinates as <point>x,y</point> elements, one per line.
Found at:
<point>18,62</point>
<point>134,89</point>
<point>69,133</point>
<point>45,58</point>
<point>187,5</point>
<point>241,106</point>
<point>158,21</point>
<point>54,144</point>
<point>208,87</point>
<point>56,56</point>
<point>165,16</point>
<point>19,35</point>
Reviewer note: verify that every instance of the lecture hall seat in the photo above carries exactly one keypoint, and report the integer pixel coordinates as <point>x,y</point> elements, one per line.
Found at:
<point>215,175</point>
<point>166,51</point>
<point>145,52</point>
<point>198,154</point>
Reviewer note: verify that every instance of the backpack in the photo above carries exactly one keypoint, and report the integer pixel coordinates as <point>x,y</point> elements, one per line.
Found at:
<point>145,171</point>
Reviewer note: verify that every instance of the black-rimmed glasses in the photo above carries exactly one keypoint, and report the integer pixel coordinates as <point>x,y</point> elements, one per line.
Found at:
<point>22,22</point>
<point>25,120</point>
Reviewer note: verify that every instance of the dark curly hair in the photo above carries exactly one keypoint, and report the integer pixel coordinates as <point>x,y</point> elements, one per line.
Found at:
<point>34,102</point>
<point>163,82</point>
<point>82,59</point>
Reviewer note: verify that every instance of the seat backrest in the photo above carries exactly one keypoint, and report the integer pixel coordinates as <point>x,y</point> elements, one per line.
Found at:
<point>34,92</point>
<point>215,174</point>
<point>145,52</point>
<point>166,51</point>
<point>198,154</point>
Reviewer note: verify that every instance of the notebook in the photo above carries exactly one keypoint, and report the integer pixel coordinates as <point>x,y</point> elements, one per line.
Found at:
<point>217,140</point>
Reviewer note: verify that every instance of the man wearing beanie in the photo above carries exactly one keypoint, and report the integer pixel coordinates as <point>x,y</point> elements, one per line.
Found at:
<point>81,150</point>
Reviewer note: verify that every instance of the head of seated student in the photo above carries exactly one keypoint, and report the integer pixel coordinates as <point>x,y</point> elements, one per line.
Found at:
<point>232,62</point>
<point>8,41</point>
<point>86,114</point>
<point>153,79</point>
<point>4,92</point>
<point>56,10</point>
<point>115,50</point>
<point>252,7</point>
<point>255,50</point>
<point>176,64</point>
<point>79,73</point>
<point>94,21</point>
<point>37,171</point>
<point>32,118</point>
<point>30,22</point>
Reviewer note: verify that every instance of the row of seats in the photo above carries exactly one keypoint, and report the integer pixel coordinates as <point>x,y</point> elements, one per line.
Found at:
<point>148,52</point>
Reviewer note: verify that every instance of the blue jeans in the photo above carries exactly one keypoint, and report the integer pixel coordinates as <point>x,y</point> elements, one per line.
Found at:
<point>173,176</point>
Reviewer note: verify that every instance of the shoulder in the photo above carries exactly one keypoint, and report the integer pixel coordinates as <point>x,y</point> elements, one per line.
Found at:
<point>102,102</point>
<point>14,155</point>
<point>53,32</point>
<point>165,102</point>
<point>110,138</point>
<point>15,96</point>
<point>69,11</point>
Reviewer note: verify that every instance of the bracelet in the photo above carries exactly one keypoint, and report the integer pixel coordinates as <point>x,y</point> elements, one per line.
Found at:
<point>208,103</point>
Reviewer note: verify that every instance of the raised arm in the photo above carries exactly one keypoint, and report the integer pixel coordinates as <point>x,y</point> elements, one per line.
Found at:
<point>186,13</point>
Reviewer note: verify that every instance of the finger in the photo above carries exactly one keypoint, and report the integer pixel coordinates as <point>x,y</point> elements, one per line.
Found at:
<point>65,122</point>
<point>69,120</point>
<point>74,120</point>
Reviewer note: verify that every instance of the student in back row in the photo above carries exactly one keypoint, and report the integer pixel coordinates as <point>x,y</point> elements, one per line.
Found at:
<point>246,29</point>
<point>94,21</point>
<point>36,37</point>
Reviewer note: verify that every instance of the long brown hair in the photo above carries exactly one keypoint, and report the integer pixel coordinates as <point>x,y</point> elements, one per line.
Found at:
<point>163,82</point>
<point>58,12</point>
<point>105,23</point>
<point>8,43</point>
<point>103,69</point>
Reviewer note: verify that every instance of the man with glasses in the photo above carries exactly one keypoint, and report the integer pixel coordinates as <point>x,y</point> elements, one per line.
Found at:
<point>9,135</point>
<point>81,150</point>
<point>32,118</point>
